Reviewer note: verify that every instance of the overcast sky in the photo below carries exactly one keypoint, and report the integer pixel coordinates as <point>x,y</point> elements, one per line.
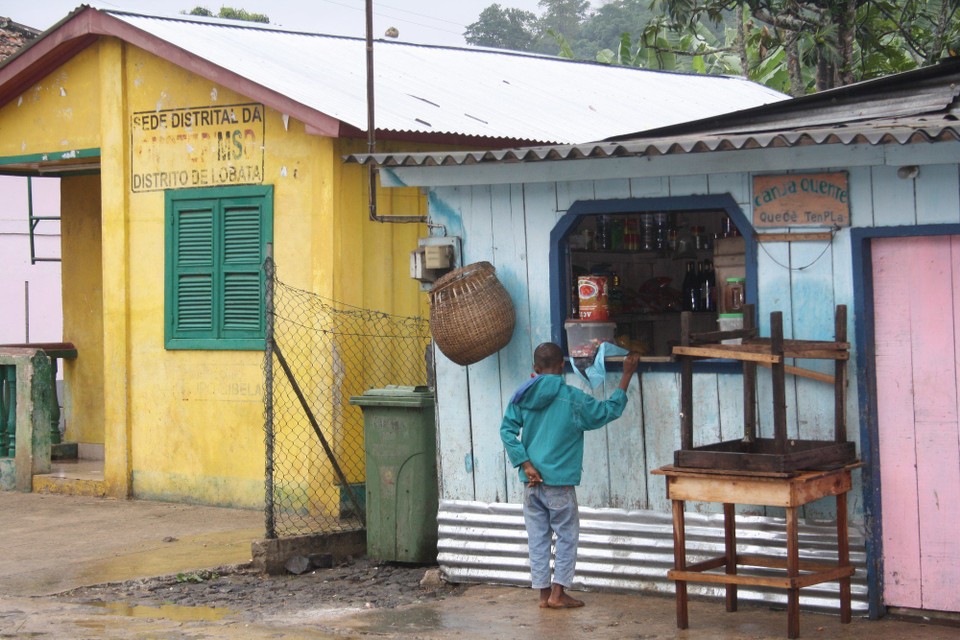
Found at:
<point>422,21</point>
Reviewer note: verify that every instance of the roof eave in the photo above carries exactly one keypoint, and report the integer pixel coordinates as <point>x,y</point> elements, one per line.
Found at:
<point>85,26</point>
<point>945,74</point>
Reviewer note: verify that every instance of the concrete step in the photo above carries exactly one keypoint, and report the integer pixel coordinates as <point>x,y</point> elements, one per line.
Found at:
<point>69,486</point>
<point>72,478</point>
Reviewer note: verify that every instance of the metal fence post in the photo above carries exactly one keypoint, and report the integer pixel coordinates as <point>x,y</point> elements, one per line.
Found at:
<point>269,521</point>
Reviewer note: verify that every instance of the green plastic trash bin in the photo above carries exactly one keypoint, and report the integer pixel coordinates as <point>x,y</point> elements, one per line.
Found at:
<point>400,444</point>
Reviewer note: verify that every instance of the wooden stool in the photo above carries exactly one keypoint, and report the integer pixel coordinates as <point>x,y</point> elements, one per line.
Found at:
<point>773,490</point>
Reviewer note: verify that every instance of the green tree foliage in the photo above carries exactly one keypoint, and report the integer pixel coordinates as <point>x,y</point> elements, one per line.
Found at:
<point>519,30</point>
<point>563,16</point>
<point>795,46</point>
<point>230,13</point>
<point>605,27</point>
<point>829,43</point>
<point>503,29</point>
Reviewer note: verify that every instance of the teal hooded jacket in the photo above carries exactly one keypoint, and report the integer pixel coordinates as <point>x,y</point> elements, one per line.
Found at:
<point>545,422</point>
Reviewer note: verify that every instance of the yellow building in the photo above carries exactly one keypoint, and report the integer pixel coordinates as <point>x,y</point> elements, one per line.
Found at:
<point>188,146</point>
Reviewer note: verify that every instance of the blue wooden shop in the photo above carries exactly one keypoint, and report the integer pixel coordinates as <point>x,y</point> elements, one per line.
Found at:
<point>889,149</point>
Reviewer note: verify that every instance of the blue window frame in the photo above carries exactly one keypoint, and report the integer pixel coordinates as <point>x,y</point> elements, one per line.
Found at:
<point>561,279</point>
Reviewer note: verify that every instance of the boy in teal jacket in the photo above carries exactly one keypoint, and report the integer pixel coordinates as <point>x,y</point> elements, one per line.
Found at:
<point>542,431</point>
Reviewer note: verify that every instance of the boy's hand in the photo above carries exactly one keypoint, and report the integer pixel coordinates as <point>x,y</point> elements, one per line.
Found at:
<point>533,476</point>
<point>630,364</point>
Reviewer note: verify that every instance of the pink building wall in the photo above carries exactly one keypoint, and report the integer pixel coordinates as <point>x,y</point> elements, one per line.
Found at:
<point>30,299</point>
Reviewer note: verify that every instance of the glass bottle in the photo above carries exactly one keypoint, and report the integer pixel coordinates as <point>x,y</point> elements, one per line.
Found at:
<point>726,227</point>
<point>648,234</point>
<point>616,234</point>
<point>672,240</point>
<point>661,223</point>
<point>691,289</point>
<point>733,296</point>
<point>708,287</point>
<point>602,237</point>
<point>631,237</point>
<point>615,294</point>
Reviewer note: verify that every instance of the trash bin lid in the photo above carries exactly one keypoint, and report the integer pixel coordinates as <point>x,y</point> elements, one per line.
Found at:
<point>394,395</point>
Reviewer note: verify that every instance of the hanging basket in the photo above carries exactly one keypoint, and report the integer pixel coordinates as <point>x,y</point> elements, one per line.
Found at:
<point>471,314</point>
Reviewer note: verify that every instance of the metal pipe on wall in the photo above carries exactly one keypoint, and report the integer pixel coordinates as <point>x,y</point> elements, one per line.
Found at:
<point>26,311</point>
<point>371,133</point>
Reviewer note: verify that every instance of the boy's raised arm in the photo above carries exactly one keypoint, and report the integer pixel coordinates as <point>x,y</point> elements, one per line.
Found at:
<point>630,364</point>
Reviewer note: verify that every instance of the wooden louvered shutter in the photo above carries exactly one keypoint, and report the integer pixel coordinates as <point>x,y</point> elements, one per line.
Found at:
<point>216,243</point>
<point>242,311</point>
<point>193,268</point>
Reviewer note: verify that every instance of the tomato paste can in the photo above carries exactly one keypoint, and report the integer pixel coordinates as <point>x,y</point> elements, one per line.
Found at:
<point>592,291</point>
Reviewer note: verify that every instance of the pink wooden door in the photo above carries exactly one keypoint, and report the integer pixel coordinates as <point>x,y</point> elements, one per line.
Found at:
<point>917,321</point>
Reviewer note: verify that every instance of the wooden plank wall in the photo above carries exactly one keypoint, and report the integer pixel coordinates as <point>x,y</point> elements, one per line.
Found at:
<point>917,413</point>
<point>509,226</point>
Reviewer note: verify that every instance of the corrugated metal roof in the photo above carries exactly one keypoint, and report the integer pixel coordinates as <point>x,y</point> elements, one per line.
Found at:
<point>471,92</point>
<point>886,111</point>
<point>900,131</point>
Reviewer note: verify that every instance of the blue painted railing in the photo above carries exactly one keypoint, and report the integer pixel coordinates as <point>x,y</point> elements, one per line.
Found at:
<point>8,410</point>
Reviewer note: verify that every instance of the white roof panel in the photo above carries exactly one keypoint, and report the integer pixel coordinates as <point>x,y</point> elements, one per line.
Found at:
<point>460,91</point>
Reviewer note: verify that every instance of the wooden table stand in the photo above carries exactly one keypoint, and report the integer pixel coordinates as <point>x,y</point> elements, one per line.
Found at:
<point>732,488</point>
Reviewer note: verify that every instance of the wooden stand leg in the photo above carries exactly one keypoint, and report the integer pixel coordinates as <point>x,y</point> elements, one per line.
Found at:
<point>680,563</point>
<point>730,546</point>
<point>793,571</point>
<point>843,556</point>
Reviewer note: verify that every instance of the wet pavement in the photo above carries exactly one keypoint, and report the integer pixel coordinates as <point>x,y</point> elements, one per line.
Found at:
<point>483,612</point>
<point>54,543</point>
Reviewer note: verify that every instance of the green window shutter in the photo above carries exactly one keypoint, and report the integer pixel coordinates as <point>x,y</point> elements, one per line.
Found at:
<point>193,312</point>
<point>242,280</point>
<point>216,243</point>
<point>194,303</point>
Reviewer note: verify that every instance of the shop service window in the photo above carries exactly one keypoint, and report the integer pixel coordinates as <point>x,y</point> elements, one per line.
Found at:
<point>627,276</point>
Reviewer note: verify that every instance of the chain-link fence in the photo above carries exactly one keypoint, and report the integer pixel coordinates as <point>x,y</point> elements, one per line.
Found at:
<point>320,353</point>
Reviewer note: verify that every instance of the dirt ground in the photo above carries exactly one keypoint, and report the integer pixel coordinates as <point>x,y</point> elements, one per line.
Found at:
<point>364,599</point>
<point>354,583</point>
<point>351,584</point>
<point>54,544</point>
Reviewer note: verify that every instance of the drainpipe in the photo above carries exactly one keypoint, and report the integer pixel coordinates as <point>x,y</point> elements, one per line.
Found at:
<point>372,137</point>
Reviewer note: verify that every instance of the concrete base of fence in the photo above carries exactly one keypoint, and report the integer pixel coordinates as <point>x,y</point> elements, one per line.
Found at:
<point>271,556</point>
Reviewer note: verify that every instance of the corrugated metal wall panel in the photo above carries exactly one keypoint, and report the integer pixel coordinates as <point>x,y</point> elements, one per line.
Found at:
<point>624,550</point>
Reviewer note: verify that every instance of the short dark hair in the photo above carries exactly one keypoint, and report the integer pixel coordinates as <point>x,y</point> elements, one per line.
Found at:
<point>547,355</point>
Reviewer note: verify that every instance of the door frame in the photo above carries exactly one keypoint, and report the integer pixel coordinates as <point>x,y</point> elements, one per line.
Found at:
<point>864,329</point>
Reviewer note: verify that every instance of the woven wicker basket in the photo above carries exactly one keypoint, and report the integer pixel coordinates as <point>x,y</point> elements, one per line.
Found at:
<point>471,314</point>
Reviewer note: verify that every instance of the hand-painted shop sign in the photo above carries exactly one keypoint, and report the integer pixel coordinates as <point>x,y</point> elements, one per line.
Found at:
<point>801,200</point>
<point>197,147</point>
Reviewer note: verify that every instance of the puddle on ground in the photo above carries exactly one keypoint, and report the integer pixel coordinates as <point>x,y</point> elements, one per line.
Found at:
<point>419,620</point>
<point>175,612</point>
<point>189,553</point>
